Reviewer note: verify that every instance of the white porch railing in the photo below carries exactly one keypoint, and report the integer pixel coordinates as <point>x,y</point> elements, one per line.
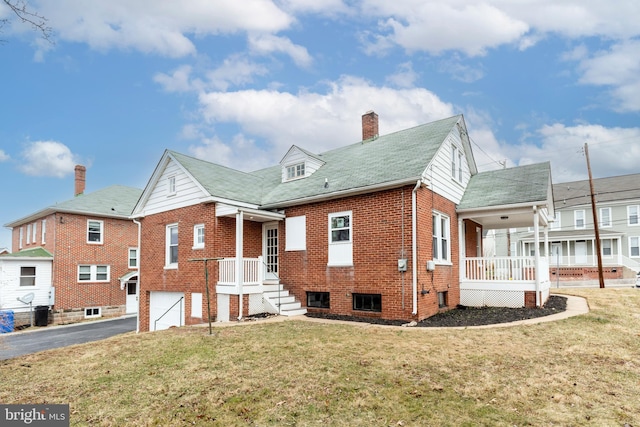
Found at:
<point>252,271</point>
<point>505,269</point>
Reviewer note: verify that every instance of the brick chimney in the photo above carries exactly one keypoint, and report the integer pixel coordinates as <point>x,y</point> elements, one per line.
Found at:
<point>80,179</point>
<point>369,125</point>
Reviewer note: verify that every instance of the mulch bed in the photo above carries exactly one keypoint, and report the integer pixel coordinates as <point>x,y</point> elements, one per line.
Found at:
<point>466,316</point>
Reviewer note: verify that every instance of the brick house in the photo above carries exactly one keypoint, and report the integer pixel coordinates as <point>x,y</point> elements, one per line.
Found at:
<point>368,229</point>
<point>92,245</point>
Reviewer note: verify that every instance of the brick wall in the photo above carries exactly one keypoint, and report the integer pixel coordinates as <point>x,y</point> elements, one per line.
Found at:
<point>220,237</point>
<point>66,239</point>
<point>382,233</point>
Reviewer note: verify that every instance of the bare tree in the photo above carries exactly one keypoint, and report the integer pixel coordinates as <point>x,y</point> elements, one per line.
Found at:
<point>27,16</point>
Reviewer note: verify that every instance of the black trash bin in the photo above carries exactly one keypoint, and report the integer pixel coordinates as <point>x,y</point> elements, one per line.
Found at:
<point>41,315</point>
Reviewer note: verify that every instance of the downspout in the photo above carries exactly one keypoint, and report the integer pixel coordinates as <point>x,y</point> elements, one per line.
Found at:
<point>138,286</point>
<point>414,248</point>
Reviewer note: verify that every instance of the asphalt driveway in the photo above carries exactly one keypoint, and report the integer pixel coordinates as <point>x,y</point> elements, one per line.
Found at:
<point>34,340</point>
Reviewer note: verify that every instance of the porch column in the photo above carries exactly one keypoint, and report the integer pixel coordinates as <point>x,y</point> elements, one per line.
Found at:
<point>546,241</point>
<point>239,260</point>
<point>536,238</point>
<point>463,250</point>
<point>619,250</point>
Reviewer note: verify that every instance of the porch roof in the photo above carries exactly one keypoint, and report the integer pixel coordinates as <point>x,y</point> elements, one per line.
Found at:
<point>587,234</point>
<point>31,253</point>
<point>506,197</point>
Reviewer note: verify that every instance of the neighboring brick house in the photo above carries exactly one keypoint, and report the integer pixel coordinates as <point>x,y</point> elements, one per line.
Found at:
<point>369,229</point>
<point>571,240</point>
<point>93,246</point>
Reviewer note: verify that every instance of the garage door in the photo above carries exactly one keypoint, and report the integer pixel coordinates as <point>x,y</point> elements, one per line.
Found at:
<point>166,309</point>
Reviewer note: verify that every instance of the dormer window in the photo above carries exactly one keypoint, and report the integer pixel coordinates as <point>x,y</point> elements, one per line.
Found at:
<point>295,171</point>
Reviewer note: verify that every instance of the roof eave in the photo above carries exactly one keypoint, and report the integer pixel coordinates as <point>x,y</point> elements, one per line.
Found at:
<point>342,193</point>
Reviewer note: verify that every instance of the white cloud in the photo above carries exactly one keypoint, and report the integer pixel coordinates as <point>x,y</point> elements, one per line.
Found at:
<point>612,151</point>
<point>48,158</point>
<point>158,26</point>
<point>617,68</point>
<point>317,121</point>
<point>4,156</point>
<point>404,77</point>
<point>179,80</point>
<point>266,44</point>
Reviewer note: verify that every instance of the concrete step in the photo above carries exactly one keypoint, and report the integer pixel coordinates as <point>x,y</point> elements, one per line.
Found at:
<point>297,312</point>
<point>275,294</point>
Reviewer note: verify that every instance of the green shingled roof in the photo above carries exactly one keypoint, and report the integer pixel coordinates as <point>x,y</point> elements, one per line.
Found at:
<point>502,187</point>
<point>221,181</point>
<point>397,157</point>
<point>115,200</point>
<point>31,253</point>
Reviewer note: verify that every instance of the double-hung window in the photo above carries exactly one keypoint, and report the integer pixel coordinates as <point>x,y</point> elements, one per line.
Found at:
<point>605,217</point>
<point>94,231</point>
<point>441,238</point>
<point>27,276</point>
<point>171,185</point>
<point>632,214</point>
<point>198,236</point>
<point>606,247</point>
<point>133,257</point>
<point>578,219</point>
<point>634,247</point>
<point>171,260</point>
<point>456,163</point>
<point>94,273</point>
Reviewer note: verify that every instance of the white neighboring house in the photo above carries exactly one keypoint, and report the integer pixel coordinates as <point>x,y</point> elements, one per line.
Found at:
<point>22,273</point>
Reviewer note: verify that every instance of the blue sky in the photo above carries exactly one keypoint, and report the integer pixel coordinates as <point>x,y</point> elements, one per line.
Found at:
<point>239,82</point>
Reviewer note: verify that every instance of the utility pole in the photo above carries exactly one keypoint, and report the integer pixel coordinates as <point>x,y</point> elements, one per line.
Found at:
<point>596,225</point>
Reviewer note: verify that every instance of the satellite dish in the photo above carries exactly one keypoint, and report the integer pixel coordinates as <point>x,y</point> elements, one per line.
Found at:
<point>26,298</point>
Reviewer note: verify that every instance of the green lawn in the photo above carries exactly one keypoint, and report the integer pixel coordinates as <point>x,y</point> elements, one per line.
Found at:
<point>583,370</point>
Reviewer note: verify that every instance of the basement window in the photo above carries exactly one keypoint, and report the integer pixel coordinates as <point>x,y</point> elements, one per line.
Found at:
<point>443,299</point>
<point>318,299</point>
<point>367,302</point>
<point>91,312</point>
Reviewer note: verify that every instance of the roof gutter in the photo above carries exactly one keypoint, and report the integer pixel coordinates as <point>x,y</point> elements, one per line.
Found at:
<point>342,193</point>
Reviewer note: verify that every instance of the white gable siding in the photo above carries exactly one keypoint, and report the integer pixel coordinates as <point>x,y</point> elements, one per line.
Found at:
<point>10,289</point>
<point>187,192</point>
<point>439,171</point>
<point>296,156</point>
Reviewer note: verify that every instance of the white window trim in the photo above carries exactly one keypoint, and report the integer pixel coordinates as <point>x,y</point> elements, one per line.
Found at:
<point>99,242</point>
<point>299,170</point>
<point>44,231</point>
<point>34,236</point>
<point>35,275</point>
<point>28,234</point>
<point>93,273</point>
<point>168,247</point>
<point>340,252</point>
<point>438,236</point>
<point>575,220</point>
<point>21,237</point>
<point>556,224</point>
<point>602,225</point>
<point>171,185</point>
<point>637,208</point>
<point>196,243</point>
<point>637,245</point>
<point>91,316</point>
<point>136,258</point>
<point>610,247</point>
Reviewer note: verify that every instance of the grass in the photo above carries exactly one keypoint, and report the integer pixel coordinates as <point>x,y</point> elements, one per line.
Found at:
<point>578,371</point>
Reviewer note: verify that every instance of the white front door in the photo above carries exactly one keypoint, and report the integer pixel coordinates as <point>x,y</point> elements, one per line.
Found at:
<point>270,250</point>
<point>581,252</point>
<point>132,297</point>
